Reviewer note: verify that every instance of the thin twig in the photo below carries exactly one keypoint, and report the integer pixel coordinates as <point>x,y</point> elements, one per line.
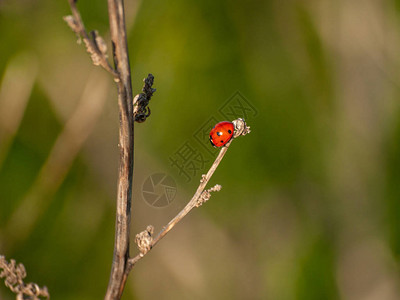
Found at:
<point>145,240</point>
<point>95,45</point>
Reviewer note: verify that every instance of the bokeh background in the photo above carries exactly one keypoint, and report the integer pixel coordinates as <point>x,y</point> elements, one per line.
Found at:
<point>310,205</point>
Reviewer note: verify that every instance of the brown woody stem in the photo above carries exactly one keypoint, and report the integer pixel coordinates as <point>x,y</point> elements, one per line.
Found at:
<point>122,226</point>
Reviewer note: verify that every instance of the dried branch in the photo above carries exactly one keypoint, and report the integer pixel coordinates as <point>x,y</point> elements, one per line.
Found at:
<point>122,76</point>
<point>117,280</point>
<point>14,275</point>
<point>145,240</point>
<point>95,45</point>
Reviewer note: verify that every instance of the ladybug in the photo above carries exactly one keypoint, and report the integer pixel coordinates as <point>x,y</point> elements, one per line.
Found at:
<point>221,133</point>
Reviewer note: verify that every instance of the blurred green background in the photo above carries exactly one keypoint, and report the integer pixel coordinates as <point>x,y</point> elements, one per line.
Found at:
<point>310,203</point>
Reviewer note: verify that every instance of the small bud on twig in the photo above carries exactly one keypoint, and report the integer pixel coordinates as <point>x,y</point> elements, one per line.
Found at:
<point>203,178</point>
<point>241,127</point>
<point>206,194</point>
<point>144,239</point>
<point>71,22</point>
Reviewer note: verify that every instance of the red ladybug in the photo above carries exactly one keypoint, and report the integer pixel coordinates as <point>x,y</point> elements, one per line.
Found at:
<point>221,133</point>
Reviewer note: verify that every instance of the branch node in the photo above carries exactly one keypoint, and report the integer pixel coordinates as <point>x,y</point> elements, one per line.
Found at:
<point>241,127</point>
<point>203,178</point>
<point>206,194</point>
<point>141,112</point>
<point>144,240</point>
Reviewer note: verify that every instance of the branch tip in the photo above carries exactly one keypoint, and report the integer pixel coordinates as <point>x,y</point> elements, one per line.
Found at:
<point>241,127</point>
<point>94,44</point>
<point>71,22</point>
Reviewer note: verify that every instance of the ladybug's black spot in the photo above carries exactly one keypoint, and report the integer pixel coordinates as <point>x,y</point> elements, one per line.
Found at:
<point>212,142</point>
<point>219,133</point>
<point>222,141</point>
<point>229,131</point>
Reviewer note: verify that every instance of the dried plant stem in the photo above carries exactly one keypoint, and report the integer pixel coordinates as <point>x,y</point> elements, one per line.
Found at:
<point>194,202</point>
<point>96,46</point>
<point>145,240</point>
<point>14,275</point>
<point>123,216</point>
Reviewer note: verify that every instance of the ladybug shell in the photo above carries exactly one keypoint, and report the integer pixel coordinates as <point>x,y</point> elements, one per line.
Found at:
<point>221,133</point>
